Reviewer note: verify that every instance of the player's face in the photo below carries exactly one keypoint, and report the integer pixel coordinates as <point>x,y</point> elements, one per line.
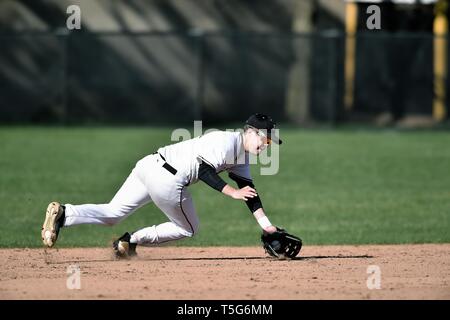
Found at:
<point>257,141</point>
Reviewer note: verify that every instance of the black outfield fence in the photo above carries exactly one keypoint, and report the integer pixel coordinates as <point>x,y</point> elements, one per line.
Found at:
<point>176,77</point>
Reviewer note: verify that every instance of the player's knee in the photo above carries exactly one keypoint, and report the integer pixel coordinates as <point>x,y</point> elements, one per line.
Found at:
<point>118,212</point>
<point>113,221</point>
<point>195,228</point>
<point>190,231</point>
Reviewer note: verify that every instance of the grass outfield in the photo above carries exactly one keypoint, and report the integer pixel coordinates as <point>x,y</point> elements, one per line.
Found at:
<point>333,187</point>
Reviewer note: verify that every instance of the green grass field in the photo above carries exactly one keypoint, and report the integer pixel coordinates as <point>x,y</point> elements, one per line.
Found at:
<point>333,187</point>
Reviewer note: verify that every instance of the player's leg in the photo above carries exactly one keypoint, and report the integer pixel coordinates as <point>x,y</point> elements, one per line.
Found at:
<point>172,198</point>
<point>131,196</point>
<point>183,221</point>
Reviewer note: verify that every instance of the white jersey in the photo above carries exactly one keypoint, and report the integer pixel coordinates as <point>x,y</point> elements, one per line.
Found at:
<point>220,149</point>
<point>150,182</point>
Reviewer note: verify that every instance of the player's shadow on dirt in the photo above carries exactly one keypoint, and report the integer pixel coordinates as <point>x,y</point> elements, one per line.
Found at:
<point>333,257</point>
<point>261,258</point>
<point>218,259</point>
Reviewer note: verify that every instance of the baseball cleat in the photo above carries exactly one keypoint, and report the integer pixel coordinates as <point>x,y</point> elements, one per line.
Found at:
<point>54,220</point>
<point>122,247</point>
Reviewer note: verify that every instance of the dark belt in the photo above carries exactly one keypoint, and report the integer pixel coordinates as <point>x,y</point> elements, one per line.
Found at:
<point>167,166</point>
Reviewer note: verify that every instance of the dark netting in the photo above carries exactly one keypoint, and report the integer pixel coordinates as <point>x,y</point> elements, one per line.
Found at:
<point>31,78</point>
<point>244,74</point>
<point>150,78</point>
<point>394,73</point>
<point>132,78</point>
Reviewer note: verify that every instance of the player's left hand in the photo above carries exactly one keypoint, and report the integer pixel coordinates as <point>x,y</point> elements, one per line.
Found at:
<point>281,244</point>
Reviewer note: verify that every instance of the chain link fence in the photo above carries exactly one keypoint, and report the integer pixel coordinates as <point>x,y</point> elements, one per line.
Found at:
<point>174,77</point>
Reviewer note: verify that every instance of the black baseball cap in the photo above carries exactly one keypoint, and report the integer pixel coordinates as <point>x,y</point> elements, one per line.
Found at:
<point>262,121</point>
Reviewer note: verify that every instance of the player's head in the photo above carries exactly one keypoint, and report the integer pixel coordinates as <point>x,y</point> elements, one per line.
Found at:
<point>259,133</point>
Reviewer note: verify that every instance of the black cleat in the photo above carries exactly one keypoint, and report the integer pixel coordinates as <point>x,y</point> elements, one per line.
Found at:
<point>122,247</point>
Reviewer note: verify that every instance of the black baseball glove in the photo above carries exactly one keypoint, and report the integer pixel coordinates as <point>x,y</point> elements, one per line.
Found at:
<point>281,244</point>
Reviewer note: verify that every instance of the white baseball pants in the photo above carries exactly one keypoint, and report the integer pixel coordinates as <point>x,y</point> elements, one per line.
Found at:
<point>148,182</point>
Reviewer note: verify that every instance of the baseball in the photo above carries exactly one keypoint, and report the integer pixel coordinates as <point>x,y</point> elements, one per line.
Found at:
<point>276,245</point>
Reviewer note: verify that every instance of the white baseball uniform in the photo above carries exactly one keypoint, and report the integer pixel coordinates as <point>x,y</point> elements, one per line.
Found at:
<point>154,179</point>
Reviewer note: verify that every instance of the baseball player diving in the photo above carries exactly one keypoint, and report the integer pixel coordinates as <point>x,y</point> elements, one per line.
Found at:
<point>163,178</point>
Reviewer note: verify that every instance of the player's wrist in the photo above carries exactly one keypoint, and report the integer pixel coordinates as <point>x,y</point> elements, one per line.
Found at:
<point>264,222</point>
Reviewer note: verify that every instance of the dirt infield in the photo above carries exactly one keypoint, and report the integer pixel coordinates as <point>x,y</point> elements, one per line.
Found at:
<point>238,273</point>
